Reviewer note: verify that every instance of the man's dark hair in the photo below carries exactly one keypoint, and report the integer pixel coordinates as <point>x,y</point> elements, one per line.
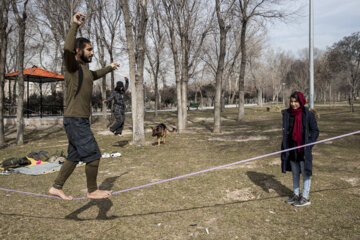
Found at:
<point>80,43</point>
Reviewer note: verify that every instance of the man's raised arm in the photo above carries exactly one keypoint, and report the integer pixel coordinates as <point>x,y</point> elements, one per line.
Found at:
<point>69,46</point>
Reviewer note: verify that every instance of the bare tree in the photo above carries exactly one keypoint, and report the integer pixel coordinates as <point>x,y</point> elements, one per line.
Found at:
<point>220,63</point>
<point>297,75</point>
<point>153,54</point>
<point>184,23</point>
<point>257,66</point>
<point>4,33</point>
<point>344,60</point>
<point>100,42</point>
<point>21,20</point>
<point>135,38</point>
<point>110,28</point>
<point>279,65</point>
<point>171,28</point>
<point>257,75</point>
<point>252,10</point>
<point>57,16</point>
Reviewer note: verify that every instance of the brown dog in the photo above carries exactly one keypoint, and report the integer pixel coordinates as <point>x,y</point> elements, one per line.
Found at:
<point>160,132</point>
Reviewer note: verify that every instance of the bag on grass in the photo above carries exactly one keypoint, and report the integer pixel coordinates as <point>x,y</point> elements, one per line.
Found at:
<point>15,163</point>
<point>42,155</point>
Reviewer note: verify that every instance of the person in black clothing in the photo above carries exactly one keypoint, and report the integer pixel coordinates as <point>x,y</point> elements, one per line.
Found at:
<point>299,128</point>
<point>118,95</point>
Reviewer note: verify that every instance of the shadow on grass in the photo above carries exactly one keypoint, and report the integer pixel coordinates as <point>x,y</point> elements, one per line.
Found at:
<point>104,209</point>
<point>207,126</point>
<point>30,135</point>
<point>267,182</point>
<point>104,205</point>
<point>34,135</point>
<point>121,143</point>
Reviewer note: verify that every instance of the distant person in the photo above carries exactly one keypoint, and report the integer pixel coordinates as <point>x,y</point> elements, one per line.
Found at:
<point>119,107</point>
<point>351,104</point>
<point>79,86</point>
<point>299,128</point>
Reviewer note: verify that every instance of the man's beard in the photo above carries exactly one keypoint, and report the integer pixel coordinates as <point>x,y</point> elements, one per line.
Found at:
<point>84,59</point>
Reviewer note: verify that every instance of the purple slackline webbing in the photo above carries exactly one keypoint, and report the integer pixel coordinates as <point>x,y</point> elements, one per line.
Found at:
<point>198,172</point>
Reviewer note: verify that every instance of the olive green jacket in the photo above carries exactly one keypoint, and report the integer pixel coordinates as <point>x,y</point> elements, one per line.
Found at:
<point>78,105</point>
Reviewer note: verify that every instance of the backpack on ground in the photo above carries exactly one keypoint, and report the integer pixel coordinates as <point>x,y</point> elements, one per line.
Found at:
<point>12,163</point>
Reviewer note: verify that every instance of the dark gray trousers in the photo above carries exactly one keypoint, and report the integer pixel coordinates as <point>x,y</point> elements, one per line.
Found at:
<point>118,126</point>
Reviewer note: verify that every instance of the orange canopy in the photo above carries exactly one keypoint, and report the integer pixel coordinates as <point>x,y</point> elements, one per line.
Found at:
<point>36,74</point>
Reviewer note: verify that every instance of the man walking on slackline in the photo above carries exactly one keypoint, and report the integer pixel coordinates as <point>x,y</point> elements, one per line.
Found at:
<point>78,52</point>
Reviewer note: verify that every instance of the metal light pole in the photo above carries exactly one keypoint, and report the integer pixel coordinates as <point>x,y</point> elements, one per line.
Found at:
<point>283,93</point>
<point>311,53</point>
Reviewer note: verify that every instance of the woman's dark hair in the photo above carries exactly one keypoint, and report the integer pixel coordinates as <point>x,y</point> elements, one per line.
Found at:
<point>119,85</point>
<point>80,43</point>
<point>295,95</point>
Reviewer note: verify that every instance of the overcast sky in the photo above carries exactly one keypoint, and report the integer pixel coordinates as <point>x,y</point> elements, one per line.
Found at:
<point>333,20</point>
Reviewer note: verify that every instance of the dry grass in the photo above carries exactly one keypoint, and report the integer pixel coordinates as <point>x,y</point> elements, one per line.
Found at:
<point>244,201</point>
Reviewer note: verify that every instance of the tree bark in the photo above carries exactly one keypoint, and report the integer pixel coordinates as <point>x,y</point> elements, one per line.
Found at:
<point>241,113</point>
<point>20,67</point>
<point>3,39</point>
<point>136,65</point>
<point>259,96</point>
<point>171,27</point>
<point>99,31</point>
<point>219,70</point>
<point>184,78</point>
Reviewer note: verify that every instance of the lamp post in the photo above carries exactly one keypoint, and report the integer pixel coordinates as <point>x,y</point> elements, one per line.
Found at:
<point>283,93</point>
<point>311,53</point>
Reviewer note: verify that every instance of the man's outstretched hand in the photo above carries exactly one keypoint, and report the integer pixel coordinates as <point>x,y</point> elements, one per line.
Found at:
<point>79,18</point>
<point>115,65</point>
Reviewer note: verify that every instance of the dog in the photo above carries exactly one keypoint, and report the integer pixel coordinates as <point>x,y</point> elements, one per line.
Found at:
<point>160,132</point>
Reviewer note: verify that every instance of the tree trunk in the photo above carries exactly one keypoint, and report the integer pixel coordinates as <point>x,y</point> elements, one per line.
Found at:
<point>219,71</point>
<point>178,96</point>
<point>20,67</point>
<point>136,65</point>
<point>156,83</point>
<point>241,113</point>
<point>233,95</point>
<point>112,81</point>
<point>184,80</point>
<point>13,102</point>
<point>3,41</point>
<point>180,122</point>
<point>103,97</point>
<point>259,96</point>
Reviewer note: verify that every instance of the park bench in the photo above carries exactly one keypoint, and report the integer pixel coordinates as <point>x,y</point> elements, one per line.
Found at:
<point>193,105</point>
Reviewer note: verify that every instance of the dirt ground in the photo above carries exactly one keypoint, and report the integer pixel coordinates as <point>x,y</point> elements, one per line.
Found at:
<point>243,201</point>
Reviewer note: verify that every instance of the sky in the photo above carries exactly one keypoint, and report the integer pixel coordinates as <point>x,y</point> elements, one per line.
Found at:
<point>333,20</point>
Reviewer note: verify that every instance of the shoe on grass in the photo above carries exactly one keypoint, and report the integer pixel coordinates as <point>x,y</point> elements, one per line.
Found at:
<point>294,198</point>
<point>302,202</point>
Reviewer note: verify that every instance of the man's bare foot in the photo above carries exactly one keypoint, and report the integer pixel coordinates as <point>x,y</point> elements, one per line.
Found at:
<point>99,194</point>
<point>60,193</point>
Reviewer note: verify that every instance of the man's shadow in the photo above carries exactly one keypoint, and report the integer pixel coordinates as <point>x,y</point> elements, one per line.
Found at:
<point>104,205</point>
<point>267,182</point>
<point>121,143</point>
